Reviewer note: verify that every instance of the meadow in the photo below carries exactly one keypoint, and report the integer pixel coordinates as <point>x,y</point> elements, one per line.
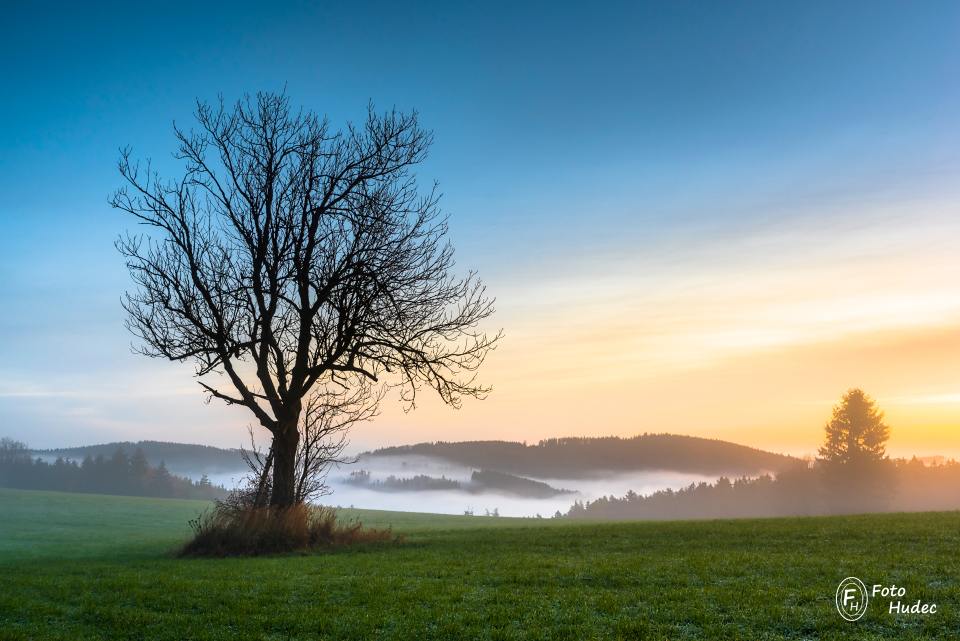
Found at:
<point>103,567</point>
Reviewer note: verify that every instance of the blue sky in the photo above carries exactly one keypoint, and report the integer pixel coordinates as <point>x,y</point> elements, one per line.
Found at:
<point>629,148</point>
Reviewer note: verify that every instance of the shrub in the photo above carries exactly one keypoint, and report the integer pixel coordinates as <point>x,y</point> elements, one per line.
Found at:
<point>253,531</point>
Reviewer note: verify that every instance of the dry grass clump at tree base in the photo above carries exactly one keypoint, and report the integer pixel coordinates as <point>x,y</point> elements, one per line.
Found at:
<point>269,530</point>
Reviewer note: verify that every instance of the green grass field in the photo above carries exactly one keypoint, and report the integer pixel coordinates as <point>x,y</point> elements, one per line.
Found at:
<point>76,566</point>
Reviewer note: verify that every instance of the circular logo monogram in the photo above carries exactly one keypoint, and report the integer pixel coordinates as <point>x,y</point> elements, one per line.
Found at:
<point>852,598</point>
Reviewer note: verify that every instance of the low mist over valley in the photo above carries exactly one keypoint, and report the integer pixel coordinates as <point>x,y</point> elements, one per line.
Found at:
<point>481,477</point>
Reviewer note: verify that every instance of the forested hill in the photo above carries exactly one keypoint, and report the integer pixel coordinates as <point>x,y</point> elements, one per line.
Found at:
<point>179,458</point>
<point>557,458</point>
<point>583,457</point>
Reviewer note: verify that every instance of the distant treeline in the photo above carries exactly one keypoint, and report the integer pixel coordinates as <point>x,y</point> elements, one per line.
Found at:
<point>893,486</point>
<point>118,474</point>
<point>480,481</point>
<point>586,457</point>
<point>179,458</point>
<point>491,480</point>
<point>418,483</point>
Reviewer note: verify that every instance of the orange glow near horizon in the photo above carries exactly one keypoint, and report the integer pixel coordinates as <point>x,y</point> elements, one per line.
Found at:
<point>749,338</point>
<point>755,348</point>
<point>778,400</point>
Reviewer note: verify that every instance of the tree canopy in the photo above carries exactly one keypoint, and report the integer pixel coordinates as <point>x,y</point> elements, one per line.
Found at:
<point>856,432</point>
<point>289,259</point>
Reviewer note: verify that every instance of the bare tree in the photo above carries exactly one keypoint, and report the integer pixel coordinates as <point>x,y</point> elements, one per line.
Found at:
<point>327,418</point>
<point>288,256</point>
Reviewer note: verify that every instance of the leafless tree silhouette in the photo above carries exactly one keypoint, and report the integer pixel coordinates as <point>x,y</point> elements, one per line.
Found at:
<point>289,256</point>
<point>328,415</point>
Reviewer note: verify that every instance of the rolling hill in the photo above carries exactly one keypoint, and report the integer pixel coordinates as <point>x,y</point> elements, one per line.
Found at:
<point>589,457</point>
<point>179,458</point>
<point>574,457</point>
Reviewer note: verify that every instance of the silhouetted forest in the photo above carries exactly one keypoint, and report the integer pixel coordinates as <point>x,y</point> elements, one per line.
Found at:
<point>418,483</point>
<point>480,481</point>
<point>893,486</point>
<point>491,480</point>
<point>179,458</point>
<point>852,474</point>
<point>118,474</point>
<point>590,457</point>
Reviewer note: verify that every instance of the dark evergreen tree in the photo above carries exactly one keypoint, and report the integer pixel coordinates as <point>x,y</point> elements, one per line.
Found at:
<point>856,433</point>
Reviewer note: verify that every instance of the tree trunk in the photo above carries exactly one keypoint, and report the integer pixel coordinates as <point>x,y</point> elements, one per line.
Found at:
<point>285,443</point>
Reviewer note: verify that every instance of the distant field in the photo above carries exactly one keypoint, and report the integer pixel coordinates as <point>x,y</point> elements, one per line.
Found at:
<point>91,567</point>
